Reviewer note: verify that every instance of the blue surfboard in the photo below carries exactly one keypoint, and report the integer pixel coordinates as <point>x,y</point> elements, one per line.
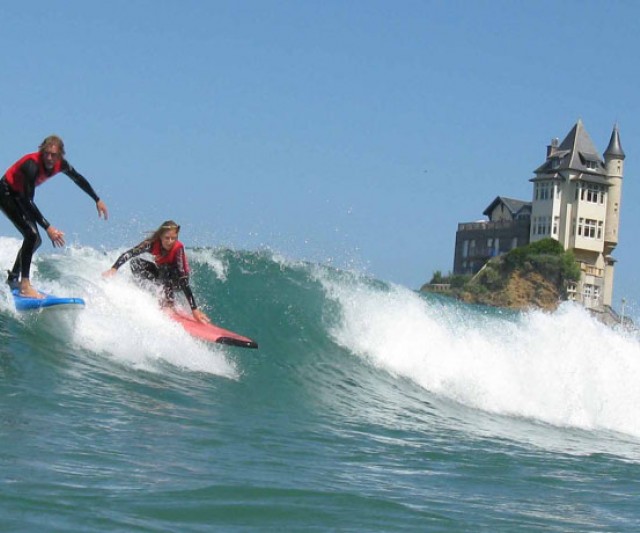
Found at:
<point>48,302</point>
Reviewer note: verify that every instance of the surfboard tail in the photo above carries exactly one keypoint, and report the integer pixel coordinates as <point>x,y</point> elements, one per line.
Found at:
<point>240,343</point>
<point>49,302</point>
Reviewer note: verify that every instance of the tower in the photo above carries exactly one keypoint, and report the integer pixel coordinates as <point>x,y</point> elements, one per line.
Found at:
<point>576,200</point>
<point>614,166</point>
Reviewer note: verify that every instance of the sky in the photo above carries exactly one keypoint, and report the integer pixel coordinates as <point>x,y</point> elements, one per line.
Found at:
<point>354,133</point>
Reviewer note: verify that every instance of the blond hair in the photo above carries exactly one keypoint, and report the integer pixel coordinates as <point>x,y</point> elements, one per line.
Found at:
<point>50,141</point>
<point>167,225</point>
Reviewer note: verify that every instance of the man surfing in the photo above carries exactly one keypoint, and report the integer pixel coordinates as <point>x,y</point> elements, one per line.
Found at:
<point>17,191</point>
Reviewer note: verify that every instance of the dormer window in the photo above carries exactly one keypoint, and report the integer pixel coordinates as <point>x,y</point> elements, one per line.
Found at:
<point>590,161</point>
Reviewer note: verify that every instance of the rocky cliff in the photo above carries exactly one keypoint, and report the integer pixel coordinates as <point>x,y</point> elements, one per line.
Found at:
<point>535,275</point>
<point>518,290</point>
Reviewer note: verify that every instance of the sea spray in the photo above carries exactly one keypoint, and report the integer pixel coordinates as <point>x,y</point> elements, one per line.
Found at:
<point>564,368</point>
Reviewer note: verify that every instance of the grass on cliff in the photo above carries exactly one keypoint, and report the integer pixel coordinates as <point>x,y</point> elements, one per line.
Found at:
<point>546,256</point>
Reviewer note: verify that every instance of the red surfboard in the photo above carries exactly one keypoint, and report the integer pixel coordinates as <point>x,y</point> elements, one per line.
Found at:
<point>210,332</point>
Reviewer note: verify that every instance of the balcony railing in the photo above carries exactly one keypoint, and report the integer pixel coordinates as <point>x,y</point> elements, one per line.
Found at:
<point>488,225</point>
<point>592,270</point>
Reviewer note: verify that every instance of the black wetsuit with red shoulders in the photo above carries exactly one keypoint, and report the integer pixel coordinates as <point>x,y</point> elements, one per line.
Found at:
<point>170,269</point>
<point>17,192</point>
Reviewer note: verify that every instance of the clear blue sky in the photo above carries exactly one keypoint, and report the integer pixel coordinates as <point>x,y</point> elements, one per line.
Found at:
<point>360,132</point>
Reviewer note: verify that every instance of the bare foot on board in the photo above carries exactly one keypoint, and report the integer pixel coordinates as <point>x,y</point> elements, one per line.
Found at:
<point>27,291</point>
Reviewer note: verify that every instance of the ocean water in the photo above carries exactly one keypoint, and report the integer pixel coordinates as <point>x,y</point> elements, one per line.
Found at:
<point>367,407</point>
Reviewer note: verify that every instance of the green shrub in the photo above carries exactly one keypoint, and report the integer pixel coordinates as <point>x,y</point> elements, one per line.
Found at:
<point>491,277</point>
<point>548,265</point>
<point>515,258</point>
<point>545,246</point>
<point>570,269</point>
<point>545,255</point>
<point>459,280</point>
<point>437,278</point>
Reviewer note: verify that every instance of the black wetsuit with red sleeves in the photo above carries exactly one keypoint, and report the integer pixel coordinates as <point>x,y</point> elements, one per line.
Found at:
<point>17,192</point>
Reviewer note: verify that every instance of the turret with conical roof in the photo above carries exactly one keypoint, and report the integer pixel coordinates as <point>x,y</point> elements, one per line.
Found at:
<point>615,148</point>
<point>614,167</point>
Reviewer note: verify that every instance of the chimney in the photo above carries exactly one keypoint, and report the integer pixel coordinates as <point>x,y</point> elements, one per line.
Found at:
<point>551,148</point>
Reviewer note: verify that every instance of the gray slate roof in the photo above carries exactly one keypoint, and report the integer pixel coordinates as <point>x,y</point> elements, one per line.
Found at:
<point>576,152</point>
<point>514,206</point>
<point>615,148</point>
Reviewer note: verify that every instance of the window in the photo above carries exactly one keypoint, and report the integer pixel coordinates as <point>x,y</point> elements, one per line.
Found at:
<point>590,293</point>
<point>543,190</point>
<point>556,221</point>
<point>590,192</point>
<point>589,228</point>
<point>541,226</point>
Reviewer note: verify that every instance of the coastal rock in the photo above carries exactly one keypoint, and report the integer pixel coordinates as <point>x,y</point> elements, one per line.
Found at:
<point>517,290</point>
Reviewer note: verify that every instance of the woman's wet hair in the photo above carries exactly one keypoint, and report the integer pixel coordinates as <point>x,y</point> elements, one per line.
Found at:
<point>167,225</point>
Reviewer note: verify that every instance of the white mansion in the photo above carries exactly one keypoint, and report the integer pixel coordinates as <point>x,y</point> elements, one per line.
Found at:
<point>576,200</point>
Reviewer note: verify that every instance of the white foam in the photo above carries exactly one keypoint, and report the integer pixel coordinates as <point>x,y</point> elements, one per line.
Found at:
<point>564,368</point>
<point>120,320</point>
<point>209,257</point>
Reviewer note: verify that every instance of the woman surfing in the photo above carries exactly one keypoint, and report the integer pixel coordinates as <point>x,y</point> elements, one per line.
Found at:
<point>170,268</point>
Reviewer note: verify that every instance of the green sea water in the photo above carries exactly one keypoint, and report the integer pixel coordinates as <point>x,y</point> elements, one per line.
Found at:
<point>367,407</point>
